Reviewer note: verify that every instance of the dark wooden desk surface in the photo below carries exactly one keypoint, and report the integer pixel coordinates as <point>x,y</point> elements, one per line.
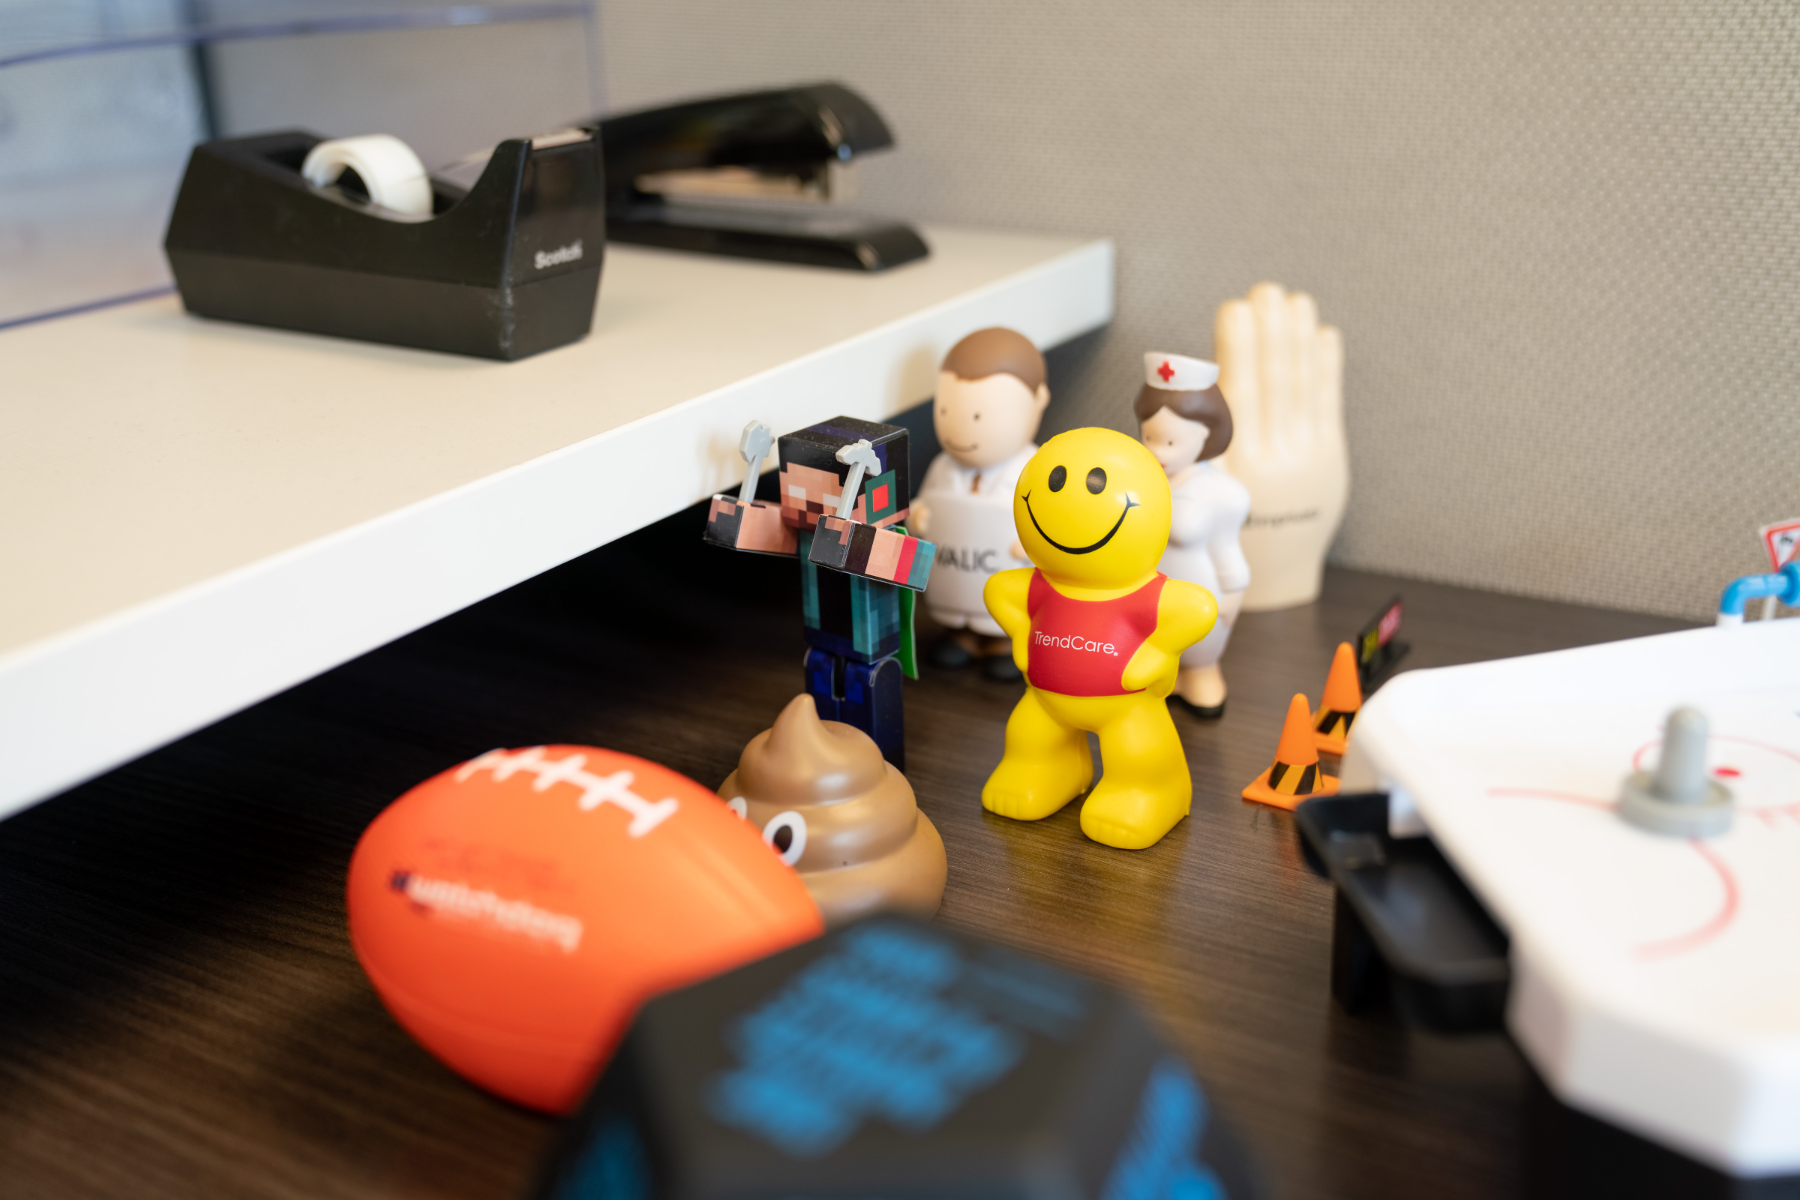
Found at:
<point>181,1014</point>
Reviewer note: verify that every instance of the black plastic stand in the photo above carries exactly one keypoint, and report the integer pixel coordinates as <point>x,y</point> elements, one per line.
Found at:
<point>1405,922</point>
<point>509,269</point>
<point>1408,929</point>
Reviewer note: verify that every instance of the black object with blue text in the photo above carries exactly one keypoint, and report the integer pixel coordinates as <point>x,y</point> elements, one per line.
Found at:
<point>894,1059</point>
<point>505,270</point>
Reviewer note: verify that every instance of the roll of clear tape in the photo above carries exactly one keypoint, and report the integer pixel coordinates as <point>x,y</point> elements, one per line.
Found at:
<point>387,166</point>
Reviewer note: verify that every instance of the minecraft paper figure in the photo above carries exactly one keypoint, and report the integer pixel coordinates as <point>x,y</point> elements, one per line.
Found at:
<point>845,489</point>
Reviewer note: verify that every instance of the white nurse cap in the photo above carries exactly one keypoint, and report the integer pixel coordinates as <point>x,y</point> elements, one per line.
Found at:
<point>1179,373</point>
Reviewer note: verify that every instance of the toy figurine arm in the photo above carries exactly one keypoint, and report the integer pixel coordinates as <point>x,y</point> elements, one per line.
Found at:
<point>1226,550</point>
<point>1187,520</point>
<point>1005,595</point>
<point>1230,604</point>
<point>1227,554</point>
<point>936,480</point>
<point>756,526</point>
<point>1226,547</point>
<point>873,552</point>
<point>742,522</point>
<point>1184,615</point>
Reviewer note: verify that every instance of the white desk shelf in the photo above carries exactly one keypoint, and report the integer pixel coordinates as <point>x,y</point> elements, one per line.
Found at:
<point>195,515</point>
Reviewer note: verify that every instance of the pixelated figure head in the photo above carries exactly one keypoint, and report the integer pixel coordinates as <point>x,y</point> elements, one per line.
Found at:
<point>812,478</point>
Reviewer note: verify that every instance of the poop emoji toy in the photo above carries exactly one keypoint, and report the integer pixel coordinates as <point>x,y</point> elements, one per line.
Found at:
<point>840,815</point>
<point>1099,633</point>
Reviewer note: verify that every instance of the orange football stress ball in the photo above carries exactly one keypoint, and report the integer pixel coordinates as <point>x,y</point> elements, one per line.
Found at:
<point>515,911</point>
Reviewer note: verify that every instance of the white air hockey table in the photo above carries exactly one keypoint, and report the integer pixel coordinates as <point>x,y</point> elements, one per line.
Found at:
<point>1654,980</point>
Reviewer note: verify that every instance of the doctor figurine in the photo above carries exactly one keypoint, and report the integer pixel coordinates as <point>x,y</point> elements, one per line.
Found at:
<point>990,398</point>
<point>1185,422</point>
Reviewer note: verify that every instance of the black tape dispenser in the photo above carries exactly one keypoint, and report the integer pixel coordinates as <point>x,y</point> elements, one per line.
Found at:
<point>352,238</point>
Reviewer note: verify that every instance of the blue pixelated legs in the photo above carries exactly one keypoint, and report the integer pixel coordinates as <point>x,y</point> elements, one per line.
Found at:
<point>871,702</point>
<point>823,673</point>
<point>865,695</point>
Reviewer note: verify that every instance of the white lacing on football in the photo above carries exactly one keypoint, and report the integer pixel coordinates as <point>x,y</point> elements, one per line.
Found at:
<point>596,790</point>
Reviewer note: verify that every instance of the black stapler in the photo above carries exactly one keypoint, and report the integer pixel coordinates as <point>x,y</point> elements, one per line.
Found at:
<point>664,165</point>
<point>505,269</point>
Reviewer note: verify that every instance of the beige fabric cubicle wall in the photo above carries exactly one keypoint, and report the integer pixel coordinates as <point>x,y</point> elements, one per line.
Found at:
<point>1562,239</point>
<point>446,91</point>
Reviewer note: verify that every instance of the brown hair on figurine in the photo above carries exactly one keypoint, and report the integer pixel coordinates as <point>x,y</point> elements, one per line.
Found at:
<point>1208,407</point>
<point>823,797</point>
<point>993,352</point>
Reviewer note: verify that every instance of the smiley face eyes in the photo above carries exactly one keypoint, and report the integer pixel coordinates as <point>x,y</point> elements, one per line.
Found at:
<point>1096,479</point>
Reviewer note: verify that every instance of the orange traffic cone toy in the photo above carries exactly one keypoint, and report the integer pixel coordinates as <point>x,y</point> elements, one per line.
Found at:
<point>1340,704</point>
<point>1294,776</point>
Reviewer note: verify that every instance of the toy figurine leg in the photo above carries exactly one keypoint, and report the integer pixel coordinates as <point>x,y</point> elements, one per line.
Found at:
<point>1146,788</point>
<point>1202,689</point>
<point>822,683</point>
<point>1201,685</point>
<point>1046,764</point>
<point>871,702</point>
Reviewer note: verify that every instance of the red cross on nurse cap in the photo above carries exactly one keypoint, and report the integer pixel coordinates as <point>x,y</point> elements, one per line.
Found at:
<point>1179,373</point>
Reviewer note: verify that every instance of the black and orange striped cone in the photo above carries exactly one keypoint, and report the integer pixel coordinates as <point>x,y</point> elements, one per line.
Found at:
<point>1294,776</point>
<point>1340,704</point>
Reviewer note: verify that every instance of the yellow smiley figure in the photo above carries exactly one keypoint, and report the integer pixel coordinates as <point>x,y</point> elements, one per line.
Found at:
<point>1098,633</point>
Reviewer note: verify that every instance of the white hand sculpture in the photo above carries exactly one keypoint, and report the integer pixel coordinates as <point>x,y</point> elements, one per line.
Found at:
<point>1283,375</point>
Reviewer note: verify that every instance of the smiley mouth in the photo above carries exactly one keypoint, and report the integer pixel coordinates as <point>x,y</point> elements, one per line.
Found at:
<point>962,449</point>
<point>1088,549</point>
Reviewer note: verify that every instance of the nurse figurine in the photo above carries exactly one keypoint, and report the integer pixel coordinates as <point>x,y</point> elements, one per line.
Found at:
<point>990,398</point>
<point>1185,422</point>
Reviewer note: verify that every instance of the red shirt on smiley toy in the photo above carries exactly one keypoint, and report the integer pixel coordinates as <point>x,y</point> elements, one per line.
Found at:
<point>1081,647</point>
